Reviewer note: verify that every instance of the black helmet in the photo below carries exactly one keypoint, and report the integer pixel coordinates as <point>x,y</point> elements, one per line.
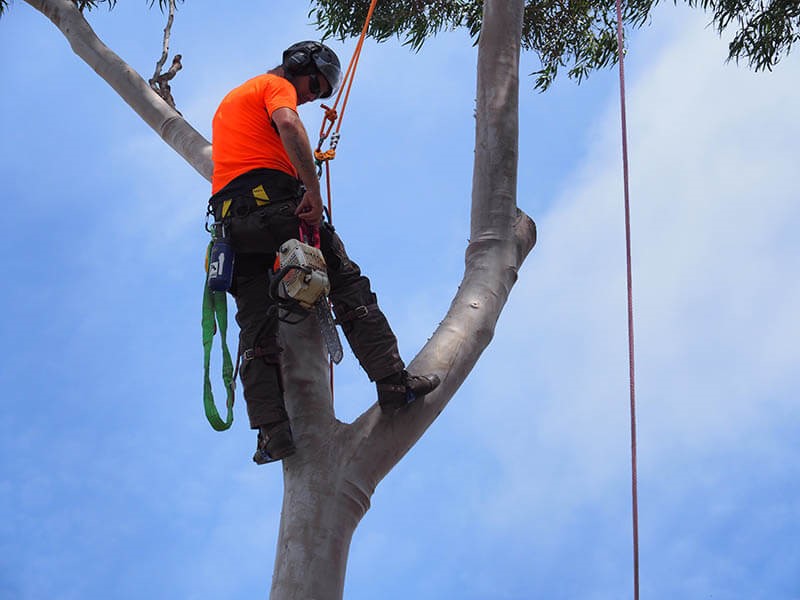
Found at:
<point>307,58</point>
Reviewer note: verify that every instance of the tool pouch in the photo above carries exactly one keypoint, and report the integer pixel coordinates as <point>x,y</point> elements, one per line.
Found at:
<point>220,264</point>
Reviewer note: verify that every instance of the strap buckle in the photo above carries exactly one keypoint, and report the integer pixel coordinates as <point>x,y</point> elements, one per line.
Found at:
<point>359,312</point>
<point>269,354</point>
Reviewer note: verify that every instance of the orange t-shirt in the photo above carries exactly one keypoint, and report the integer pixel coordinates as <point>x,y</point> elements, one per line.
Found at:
<point>242,133</point>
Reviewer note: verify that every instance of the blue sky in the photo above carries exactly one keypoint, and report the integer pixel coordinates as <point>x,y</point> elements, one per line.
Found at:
<point>113,484</point>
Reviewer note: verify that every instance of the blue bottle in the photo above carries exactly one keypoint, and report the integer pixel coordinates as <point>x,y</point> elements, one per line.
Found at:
<point>220,266</point>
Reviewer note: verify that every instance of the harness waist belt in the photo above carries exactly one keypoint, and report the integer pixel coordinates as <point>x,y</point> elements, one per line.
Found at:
<point>254,189</point>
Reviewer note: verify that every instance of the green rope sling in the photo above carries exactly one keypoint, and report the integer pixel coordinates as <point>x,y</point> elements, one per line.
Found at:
<point>215,313</point>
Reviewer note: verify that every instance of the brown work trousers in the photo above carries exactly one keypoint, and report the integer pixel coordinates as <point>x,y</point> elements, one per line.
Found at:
<point>256,231</point>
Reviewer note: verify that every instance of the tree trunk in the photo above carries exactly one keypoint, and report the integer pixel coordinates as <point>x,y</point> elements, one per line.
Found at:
<point>328,483</point>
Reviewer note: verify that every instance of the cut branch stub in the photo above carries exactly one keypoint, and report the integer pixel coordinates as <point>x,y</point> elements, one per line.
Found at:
<point>159,80</point>
<point>160,83</point>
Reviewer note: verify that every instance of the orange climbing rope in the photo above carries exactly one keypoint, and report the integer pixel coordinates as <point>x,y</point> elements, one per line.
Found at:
<point>330,119</point>
<point>332,115</point>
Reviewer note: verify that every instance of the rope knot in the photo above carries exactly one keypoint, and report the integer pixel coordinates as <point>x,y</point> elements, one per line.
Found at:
<point>330,113</point>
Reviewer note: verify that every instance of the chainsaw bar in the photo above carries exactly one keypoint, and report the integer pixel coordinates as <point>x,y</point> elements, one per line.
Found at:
<point>328,329</point>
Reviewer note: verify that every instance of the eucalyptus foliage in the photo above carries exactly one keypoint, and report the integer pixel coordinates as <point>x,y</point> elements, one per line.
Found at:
<point>765,31</point>
<point>579,35</point>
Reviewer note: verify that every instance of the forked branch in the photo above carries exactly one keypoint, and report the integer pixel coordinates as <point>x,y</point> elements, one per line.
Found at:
<point>159,82</point>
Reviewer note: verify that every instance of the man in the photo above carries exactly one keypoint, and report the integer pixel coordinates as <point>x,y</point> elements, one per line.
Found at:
<point>264,184</point>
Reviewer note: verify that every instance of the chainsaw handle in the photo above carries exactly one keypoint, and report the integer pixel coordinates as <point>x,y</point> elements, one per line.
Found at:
<point>278,277</point>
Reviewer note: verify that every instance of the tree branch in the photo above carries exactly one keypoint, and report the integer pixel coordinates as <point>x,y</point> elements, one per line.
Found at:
<point>165,120</point>
<point>502,236</point>
<point>159,83</point>
<point>165,46</point>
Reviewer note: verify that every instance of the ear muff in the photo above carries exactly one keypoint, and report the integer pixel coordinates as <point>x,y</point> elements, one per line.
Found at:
<point>299,59</point>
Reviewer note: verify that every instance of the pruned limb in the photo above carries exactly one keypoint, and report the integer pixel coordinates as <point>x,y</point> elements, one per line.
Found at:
<point>160,81</point>
<point>164,119</point>
<point>160,84</point>
<point>165,46</point>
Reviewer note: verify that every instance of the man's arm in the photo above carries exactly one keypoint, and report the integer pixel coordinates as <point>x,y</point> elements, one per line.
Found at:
<point>298,148</point>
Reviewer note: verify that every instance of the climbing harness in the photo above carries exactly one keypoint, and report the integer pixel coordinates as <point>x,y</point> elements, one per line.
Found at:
<point>632,379</point>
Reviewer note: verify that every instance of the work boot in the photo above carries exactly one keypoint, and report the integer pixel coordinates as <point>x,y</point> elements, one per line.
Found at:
<point>400,389</point>
<point>274,443</point>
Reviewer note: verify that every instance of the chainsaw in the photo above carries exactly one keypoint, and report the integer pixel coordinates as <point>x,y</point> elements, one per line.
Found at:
<point>301,285</point>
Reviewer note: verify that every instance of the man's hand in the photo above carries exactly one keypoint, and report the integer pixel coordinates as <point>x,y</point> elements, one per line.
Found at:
<point>295,141</point>
<point>310,208</point>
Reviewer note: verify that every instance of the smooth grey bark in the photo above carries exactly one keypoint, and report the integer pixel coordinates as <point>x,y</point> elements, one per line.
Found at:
<point>328,483</point>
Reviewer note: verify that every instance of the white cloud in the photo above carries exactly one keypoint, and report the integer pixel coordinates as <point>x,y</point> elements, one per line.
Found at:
<point>715,283</point>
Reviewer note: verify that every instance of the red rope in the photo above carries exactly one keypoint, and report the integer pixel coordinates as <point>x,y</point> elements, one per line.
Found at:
<point>625,177</point>
<point>330,219</point>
